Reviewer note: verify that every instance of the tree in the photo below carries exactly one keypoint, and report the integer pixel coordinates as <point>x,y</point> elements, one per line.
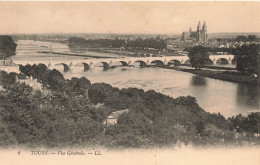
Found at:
<point>241,38</point>
<point>56,80</point>
<point>99,92</point>
<point>7,46</point>
<point>246,58</point>
<point>252,37</point>
<point>40,72</point>
<point>26,69</point>
<point>198,56</point>
<point>79,86</point>
<point>7,79</point>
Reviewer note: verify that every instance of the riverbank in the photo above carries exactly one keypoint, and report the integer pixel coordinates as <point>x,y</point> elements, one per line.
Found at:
<point>72,54</point>
<point>215,67</point>
<point>227,75</point>
<point>133,52</point>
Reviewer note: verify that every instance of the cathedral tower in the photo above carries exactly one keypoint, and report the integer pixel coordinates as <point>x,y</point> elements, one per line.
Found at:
<point>204,30</point>
<point>202,33</point>
<point>198,38</point>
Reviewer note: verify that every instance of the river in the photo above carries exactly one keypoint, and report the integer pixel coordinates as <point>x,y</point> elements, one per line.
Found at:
<point>212,95</point>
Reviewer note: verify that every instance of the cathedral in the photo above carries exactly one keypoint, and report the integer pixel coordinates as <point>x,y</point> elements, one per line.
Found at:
<point>199,36</point>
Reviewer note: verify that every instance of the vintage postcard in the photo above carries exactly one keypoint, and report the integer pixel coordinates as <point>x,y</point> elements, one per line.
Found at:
<point>129,82</point>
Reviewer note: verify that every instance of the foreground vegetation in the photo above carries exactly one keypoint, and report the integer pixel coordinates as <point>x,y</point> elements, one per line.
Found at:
<point>71,114</point>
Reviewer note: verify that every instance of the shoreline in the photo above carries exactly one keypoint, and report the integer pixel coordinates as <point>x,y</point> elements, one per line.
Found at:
<point>72,54</point>
<point>227,75</point>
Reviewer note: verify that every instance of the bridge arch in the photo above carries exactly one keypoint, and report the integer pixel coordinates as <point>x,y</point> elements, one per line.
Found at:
<point>222,61</point>
<point>157,62</point>
<point>186,62</point>
<point>231,60</point>
<point>66,67</point>
<point>103,64</point>
<point>141,63</point>
<point>120,63</point>
<point>210,62</point>
<point>124,63</point>
<point>86,66</point>
<point>174,62</point>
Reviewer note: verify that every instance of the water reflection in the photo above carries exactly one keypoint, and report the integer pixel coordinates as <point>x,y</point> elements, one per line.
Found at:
<point>198,81</point>
<point>105,68</point>
<point>248,96</point>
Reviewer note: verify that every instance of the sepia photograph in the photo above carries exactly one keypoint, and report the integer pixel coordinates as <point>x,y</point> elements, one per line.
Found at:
<point>130,82</point>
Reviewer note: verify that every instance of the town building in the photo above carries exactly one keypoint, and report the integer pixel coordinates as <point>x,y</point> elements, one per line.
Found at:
<point>113,117</point>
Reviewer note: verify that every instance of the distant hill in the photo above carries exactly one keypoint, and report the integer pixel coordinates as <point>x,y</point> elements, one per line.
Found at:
<point>232,35</point>
<point>65,36</point>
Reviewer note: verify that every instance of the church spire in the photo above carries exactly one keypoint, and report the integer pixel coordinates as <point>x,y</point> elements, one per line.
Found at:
<point>204,27</point>
<point>198,27</point>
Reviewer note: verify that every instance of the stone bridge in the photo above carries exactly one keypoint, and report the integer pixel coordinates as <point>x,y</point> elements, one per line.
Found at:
<point>124,61</point>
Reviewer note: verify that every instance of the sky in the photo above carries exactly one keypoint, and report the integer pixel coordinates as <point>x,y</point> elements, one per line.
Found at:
<point>127,17</point>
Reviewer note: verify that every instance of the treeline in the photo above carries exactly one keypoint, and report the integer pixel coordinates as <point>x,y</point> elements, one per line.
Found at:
<point>72,114</point>
<point>114,43</point>
<point>247,58</point>
<point>215,50</point>
<point>139,43</point>
<point>249,38</point>
<point>240,38</point>
<point>7,46</point>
